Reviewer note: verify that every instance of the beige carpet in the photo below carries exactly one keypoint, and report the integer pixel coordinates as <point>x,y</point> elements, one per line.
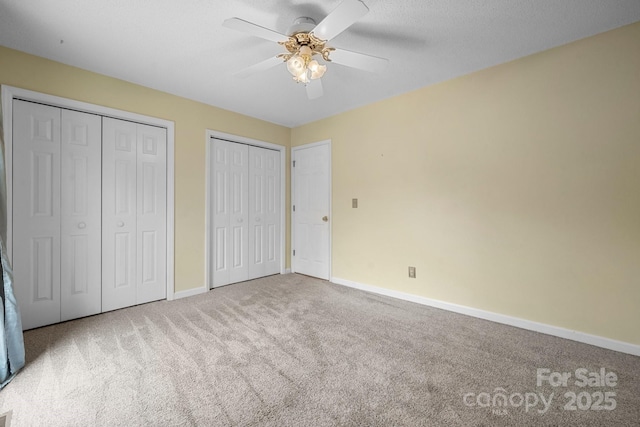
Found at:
<point>294,351</point>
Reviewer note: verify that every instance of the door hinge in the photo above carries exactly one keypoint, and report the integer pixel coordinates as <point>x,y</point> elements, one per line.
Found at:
<point>294,208</point>
<point>294,163</point>
<point>294,252</point>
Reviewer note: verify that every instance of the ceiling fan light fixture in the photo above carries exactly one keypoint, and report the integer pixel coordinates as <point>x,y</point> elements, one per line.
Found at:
<point>306,39</point>
<point>302,47</point>
<point>303,68</point>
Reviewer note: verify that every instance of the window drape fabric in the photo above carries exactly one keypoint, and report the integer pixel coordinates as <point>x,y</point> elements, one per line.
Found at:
<point>11,339</point>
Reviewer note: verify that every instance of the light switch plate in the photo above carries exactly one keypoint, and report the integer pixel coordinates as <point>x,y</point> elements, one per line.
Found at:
<point>354,203</point>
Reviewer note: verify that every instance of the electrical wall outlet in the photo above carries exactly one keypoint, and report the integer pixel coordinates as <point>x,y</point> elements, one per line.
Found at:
<point>354,203</point>
<point>412,272</point>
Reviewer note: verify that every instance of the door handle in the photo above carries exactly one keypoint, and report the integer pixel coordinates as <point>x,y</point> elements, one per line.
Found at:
<point>325,218</point>
<point>120,224</point>
<point>81,225</point>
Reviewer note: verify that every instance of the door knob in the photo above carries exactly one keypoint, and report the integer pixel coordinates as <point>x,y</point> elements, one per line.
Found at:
<point>257,219</point>
<point>120,224</point>
<point>81,225</point>
<point>239,219</point>
<point>325,218</point>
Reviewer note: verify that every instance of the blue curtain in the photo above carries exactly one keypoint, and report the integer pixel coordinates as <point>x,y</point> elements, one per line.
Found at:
<point>11,340</point>
<point>11,344</point>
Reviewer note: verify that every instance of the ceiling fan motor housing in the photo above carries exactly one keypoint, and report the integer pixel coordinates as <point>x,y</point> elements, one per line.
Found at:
<point>304,24</point>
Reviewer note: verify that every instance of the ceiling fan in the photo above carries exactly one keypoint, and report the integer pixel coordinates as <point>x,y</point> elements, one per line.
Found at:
<point>305,41</point>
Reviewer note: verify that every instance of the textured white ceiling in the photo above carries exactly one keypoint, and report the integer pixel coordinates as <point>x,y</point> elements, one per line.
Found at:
<point>180,46</point>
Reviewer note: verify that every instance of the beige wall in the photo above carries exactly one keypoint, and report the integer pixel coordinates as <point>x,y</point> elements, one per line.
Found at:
<point>191,118</point>
<point>514,190</point>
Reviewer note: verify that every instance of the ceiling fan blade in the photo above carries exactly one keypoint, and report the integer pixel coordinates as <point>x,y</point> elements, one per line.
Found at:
<point>253,29</point>
<point>342,17</point>
<point>260,66</point>
<point>358,60</point>
<point>314,89</point>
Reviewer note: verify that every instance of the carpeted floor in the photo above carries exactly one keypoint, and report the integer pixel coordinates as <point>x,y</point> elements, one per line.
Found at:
<point>295,351</point>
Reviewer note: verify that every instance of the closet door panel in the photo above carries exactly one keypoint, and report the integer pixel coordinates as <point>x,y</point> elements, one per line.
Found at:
<point>239,215</point>
<point>221,216</point>
<point>230,214</point>
<point>36,212</point>
<point>119,205</point>
<point>257,208</point>
<point>81,215</point>
<point>151,214</point>
<point>264,212</point>
<point>272,213</point>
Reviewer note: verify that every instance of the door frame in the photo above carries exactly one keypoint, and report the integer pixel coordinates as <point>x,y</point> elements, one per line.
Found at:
<point>208,249</point>
<point>9,93</point>
<point>330,195</point>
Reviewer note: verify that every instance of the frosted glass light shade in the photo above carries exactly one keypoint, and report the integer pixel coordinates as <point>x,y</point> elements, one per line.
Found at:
<point>296,65</point>
<point>316,69</point>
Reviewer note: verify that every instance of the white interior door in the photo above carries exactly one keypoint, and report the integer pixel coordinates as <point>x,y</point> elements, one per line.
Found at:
<point>81,252</point>
<point>230,214</point>
<point>36,212</point>
<point>264,212</point>
<point>311,179</point>
<point>119,203</point>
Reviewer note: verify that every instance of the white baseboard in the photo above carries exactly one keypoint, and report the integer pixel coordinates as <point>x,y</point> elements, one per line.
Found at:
<point>190,292</point>
<point>582,337</point>
<point>202,289</point>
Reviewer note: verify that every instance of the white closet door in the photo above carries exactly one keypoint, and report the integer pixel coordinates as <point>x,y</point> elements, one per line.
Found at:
<point>264,212</point>
<point>89,213</point>
<point>36,212</point>
<point>119,216</point>
<point>230,213</point>
<point>80,215</point>
<point>134,214</point>
<point>151,234</point>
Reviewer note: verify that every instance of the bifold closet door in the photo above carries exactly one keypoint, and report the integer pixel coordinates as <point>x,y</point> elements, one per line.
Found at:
<point>245,202</point>
<point>56,213</point>
<point>230,214</point>
<point>36,212</point>
<point>133,214</point>
<point>264,212</point>
<point>81,222</point>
